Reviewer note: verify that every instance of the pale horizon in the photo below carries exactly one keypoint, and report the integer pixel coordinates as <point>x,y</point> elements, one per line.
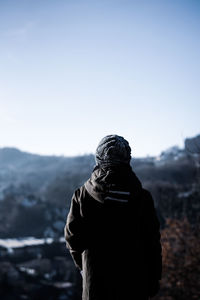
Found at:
<point>92,153</point>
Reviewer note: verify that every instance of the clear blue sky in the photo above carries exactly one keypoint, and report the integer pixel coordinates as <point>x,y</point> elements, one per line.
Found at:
<point>73,71</point>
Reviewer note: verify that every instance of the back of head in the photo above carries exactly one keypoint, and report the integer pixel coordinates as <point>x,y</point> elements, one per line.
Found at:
<point>113,150</point>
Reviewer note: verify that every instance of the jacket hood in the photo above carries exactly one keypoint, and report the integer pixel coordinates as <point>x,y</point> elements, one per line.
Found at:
<point>112,178</point>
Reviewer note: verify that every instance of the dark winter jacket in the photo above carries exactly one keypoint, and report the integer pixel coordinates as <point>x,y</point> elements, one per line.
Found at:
<point>112,232</point>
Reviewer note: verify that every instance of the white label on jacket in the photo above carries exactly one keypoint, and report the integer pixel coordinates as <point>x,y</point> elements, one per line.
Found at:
<point>116,199</point>
<point>119,192</point>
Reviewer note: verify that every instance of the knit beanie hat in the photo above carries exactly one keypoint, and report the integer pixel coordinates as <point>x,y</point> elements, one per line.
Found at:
<point>113,150</point>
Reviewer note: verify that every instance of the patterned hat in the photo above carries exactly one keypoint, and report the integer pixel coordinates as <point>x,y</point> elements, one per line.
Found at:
<point>113,150</point>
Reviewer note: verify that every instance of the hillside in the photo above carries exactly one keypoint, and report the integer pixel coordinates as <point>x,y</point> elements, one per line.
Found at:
<point>35,190</point>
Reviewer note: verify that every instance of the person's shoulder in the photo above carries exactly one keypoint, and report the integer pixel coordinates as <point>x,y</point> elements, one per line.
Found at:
<point>147,197</point>
<point>146,193</point>
<point>79,193</point>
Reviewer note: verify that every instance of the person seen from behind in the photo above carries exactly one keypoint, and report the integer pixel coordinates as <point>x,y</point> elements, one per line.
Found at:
<point>112,230</point>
